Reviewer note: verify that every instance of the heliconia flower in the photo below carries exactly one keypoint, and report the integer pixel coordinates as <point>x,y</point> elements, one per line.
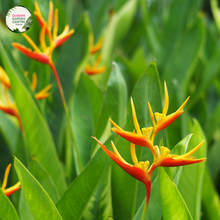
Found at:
<point>44,92</point>
<point>95,69</point>
<point>10,108</point>
<point>165,159</point>
<point>4,78</point>
<point>144,137</point>
<point>139,170</point>
<point>12,189</point>
<point>141,138</point>
<point>97,47</point>
<point>163,120</point>
<point>45,55</point>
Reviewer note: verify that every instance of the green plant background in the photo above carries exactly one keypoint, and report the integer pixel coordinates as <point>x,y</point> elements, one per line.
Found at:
<point>145,43</point>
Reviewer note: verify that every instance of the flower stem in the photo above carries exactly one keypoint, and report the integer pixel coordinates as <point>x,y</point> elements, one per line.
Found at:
<point>148,190</point>
<point>78,161</point>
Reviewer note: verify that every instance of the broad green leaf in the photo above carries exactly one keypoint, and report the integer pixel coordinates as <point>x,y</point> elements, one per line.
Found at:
<point>210,198</point>
<point>180,149</point>
<point>7,210</point>
<point>173,205</point>
<point>99,206</point>
<point>115,101</point>
<point>69,66</point>
<point>8,129</point>
<point>24,209</point>
<point>99,16</point>
<point>190,184</point>
<point>179,128</point>
<point>87,102</point>
<point>39,138</point>
<point>73,203</point>
<point>216,12</point>
<point>39,201</point>
<point>180,65</point>
<point>116,30</point>
<point>210,71</point>
<point>173,28</point>
<point>127,192</point>
<point>38,171</point>
<point>213,160</point>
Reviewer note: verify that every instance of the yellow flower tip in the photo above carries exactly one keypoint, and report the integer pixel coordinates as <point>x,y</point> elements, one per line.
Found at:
<point>166,102</point>
<point>151,113</point>
<point>5,180</point>
<point>183,105</point>
<point>193,150</point>
<point>133,154</point>
<point>50,16</point>
<point>98,46</point>
<point>43,93</point>
<point>12,189</point>
<point>4,78</point>
<point>115,125</point>
<point>36,7</point>
<point>164,151</point>
<point>26,73</point>
<point>42,38</point>
<point>118,154</point>
<point>136,124</point>
<point>31,42</point>
<point>34,81</point>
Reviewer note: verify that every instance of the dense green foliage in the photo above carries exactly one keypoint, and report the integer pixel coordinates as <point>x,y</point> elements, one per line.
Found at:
<point>146,42</point>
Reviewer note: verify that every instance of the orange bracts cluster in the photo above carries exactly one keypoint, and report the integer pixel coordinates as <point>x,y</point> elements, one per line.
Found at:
<point>11,108</point>
<point>12,189</point>
<point>45,56</point>
<point>94,49</point>
<point>144,137</point>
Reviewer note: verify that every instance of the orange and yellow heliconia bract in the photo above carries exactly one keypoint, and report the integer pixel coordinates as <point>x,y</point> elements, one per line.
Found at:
<point>45,56</point>
<point>144,137</point>
<point>11,189</point>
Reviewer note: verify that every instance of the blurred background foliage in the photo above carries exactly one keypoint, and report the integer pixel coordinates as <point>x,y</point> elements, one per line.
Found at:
<point>149,41</point>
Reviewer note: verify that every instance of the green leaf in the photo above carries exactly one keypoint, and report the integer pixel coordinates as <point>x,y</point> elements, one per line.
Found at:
<point>116,30</point>
<point>38,171</point>
<point>115,101</point>
<point>73,203</point>
<point>190,184</point>
<point>8,129</point>
<point>128,193</point>
<point>180,65</point>
<point>36,130</point>
<point>180,149</point>
<point>24,209</point>
<point>7,211</point>
<point>173,28</point>
<point>87,103</point>
<point>210,198</point>
<point>211,70</point>
<point>39,201</point>
<point>173,205</point>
